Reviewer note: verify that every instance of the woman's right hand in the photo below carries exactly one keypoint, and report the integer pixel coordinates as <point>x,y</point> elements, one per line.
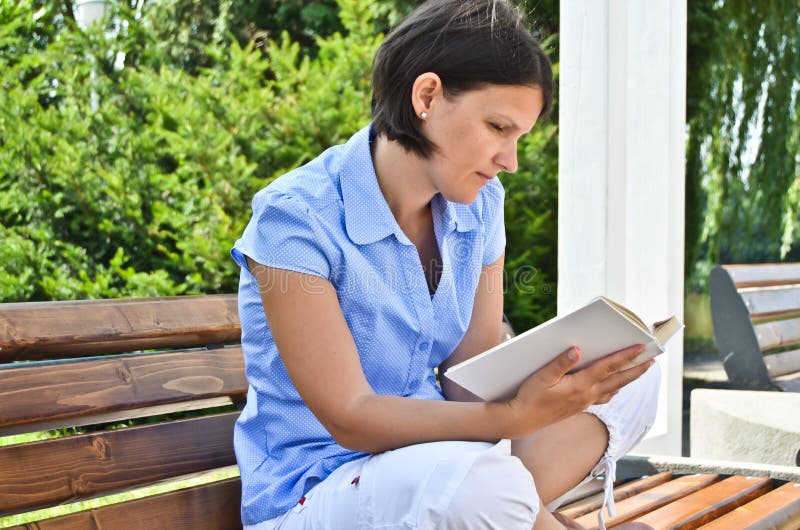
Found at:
<point>552,393</point>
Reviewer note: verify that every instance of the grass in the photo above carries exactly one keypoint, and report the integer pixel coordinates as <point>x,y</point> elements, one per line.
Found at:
<point>27,437</point>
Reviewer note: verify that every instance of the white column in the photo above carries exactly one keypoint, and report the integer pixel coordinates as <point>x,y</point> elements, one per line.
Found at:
<point>621,171</point>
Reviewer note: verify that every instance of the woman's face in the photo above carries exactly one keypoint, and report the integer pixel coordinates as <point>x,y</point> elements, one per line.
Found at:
<point>477,133</point>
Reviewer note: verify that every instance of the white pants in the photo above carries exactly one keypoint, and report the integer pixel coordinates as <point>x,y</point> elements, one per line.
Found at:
<point>457,485</point>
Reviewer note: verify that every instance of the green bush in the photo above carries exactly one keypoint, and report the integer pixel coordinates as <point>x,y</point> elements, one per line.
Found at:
<point>531,214</point>
<point>145,194</point>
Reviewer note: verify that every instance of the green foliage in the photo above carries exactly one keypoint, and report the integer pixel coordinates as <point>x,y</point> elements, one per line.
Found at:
<point>531,229</point>
<point>744,135</point>
<point>185,27</point>
<point>145,195</point>
<point>128,159</point>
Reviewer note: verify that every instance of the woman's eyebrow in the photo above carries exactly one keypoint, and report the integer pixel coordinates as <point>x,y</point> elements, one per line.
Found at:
<point>518,128</point>
<point>511,123</point>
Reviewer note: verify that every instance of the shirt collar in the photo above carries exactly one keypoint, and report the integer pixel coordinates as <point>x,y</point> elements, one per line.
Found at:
<point>461,217</point>
<point>367,215</point>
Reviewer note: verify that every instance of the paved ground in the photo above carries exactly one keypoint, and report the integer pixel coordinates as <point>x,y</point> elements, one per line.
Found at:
<point>704,367</point>
<point>700,370</point>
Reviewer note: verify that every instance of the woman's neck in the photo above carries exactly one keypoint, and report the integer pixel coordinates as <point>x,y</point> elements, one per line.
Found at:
<point>404,182</point>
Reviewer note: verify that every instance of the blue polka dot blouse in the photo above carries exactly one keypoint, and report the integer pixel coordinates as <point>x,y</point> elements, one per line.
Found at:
<point>329,219</point>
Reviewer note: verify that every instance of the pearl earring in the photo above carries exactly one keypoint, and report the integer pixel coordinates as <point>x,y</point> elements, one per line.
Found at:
<point>423,115</point>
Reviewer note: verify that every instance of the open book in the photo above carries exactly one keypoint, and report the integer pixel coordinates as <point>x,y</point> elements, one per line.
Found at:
<point>599,328</point>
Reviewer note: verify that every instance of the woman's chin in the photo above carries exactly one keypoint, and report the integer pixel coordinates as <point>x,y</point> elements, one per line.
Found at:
<point>462,197</point>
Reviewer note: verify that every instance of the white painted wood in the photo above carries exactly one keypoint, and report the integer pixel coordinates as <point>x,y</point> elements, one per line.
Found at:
<point>771,299</point>
<point>777,333</point>
<point>764,272</point>
<point>621,171</point>
<point>783,363</point>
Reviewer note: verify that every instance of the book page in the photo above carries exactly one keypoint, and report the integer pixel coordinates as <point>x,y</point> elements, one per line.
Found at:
<point>598,328</point>
<point>627,312</point>
<point>666,329</point>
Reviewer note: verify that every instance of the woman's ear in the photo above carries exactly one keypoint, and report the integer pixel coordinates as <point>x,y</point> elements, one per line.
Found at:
<point>427,88</point>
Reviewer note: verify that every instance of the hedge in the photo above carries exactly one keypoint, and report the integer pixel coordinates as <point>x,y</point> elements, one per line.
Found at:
<point>123,174</point>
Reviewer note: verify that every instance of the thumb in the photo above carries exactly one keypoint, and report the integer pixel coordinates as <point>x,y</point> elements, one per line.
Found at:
<point>553,371</point>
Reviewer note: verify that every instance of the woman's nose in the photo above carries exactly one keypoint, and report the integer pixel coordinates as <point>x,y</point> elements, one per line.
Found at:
<point>507,158</point>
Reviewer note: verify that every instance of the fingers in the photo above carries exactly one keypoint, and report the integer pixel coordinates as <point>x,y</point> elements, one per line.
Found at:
<point>614,362</point>
<point>607,376</point>
<point>611,386</point>
<point>613,383</point>
<point>553,371</point>
<point>605,398</point>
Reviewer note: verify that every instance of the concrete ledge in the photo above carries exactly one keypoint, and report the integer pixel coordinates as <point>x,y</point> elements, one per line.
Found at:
<point>745,426</point>
<point>638,465</point>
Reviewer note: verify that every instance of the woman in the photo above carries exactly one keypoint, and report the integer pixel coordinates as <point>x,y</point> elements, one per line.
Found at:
<point>381,260</point>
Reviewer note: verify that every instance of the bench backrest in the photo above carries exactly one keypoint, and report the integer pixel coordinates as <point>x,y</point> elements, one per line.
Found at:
<point>756,311</point>
<point>90,364</point>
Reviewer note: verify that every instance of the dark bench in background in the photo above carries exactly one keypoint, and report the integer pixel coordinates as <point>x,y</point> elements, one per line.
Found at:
<point>85,368</point>
<point>756,311</point>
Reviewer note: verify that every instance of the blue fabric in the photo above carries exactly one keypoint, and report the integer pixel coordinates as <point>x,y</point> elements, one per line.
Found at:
<point>329,218</point>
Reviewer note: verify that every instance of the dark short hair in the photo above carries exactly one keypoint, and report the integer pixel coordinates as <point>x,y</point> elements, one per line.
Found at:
<point>469,44</point>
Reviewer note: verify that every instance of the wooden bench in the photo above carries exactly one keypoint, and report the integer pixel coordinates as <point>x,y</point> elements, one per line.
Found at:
<point>676,493</point>
<point>84,366</point>
<point>86,370</point>
<point>756,314</point>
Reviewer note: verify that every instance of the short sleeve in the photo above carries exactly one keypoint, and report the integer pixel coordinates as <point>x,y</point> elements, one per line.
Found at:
<point>284,234</point>
<point>493,222</point>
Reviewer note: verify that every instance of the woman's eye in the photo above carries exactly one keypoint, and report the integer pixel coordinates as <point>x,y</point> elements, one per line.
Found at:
<point>498,128</point>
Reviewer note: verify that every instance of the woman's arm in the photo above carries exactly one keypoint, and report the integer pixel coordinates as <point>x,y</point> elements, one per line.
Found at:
<point>320,356</point>
<point>319,353</point>
<point>483,331</point>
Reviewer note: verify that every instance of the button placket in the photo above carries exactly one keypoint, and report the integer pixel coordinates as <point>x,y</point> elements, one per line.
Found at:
<point>420,298</point>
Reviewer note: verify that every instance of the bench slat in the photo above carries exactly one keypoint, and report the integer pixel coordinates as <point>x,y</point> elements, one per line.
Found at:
<point>584,492</point>
<point>783,363</point>
<point>771,301</point>
<point>789,385</point>
<point>34,394</point>
<point>777,510</point>
<point>654,498</point>
<point>764,274</point>
<point>53,471</point>
<point>208,507</point>
<point>707,504</point>
<point>778,333</point>
<point>45,330</point>
<point>120,415</point>
<point>630,489</point>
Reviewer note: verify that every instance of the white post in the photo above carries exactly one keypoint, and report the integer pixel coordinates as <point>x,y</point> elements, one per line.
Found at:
<point>88,12</point>
<point>621,171</point>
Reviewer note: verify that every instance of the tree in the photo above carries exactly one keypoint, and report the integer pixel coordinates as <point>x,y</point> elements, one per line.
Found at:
<point>145,194</point>
<point>743,171</point>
